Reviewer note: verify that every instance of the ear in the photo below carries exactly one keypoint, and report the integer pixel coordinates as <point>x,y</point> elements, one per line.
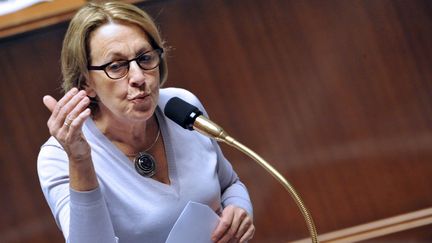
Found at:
<point>88,87</point>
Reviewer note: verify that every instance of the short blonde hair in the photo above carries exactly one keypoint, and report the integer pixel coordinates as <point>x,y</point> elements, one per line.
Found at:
<point>75,55</point>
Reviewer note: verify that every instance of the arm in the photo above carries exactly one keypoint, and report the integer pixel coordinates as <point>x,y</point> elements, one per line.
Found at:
<point>236,224</point>
<point>67,175</point>
<point>65,123</point>
<point>234,192</point>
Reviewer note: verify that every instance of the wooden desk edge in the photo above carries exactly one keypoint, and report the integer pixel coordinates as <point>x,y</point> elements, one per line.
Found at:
<point>377,228</point>
<point>38,16</point>
<point>41,15</point>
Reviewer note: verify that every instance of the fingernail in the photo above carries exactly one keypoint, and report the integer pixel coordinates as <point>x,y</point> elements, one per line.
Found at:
<point>82,93</point>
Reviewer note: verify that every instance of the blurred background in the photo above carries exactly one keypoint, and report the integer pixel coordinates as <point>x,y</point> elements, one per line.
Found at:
<point>335,94</point>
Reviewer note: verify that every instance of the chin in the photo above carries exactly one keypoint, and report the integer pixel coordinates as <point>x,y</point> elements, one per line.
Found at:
<point>141,116</point>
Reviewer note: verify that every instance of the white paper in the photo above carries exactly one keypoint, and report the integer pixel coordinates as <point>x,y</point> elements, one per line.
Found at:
<point>10,6</point>
<point>195,224</point>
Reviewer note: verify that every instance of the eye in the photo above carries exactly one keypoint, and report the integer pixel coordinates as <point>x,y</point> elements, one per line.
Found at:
<point>145,58</point>
<point>117,67</point>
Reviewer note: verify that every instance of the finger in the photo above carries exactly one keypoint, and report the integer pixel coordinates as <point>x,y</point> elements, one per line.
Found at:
<point>76,118</point>
<point>75,143</point>
<point>239,215</point>
<point>57,123</point>
<point>63,101</point>
<point>49,102</point>
<point>77,109</point>
<point>248,235</point>
<point>245,224</point>
<point>76,125</point>
<point>64,116</point>
<point>223,225</point>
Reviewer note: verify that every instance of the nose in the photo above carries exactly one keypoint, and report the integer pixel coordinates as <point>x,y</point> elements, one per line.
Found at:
<point>136,74</point>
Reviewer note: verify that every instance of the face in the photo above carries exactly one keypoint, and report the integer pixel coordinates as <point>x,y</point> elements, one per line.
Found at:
<point>133,97</point>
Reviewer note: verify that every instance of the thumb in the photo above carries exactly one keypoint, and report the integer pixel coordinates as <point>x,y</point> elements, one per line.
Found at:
<point>49,102</point>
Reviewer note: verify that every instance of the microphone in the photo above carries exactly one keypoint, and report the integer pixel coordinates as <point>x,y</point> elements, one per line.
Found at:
<point>191,118</point>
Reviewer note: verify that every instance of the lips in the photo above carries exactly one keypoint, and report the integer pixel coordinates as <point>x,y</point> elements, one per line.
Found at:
<point>139,96</point>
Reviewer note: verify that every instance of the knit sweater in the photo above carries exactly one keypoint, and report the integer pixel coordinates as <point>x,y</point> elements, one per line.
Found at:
<point>129,208</point>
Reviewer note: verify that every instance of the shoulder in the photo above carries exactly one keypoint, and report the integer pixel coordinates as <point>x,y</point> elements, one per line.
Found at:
<point>51,160</point>
<point>51,143</point>
<point>50,149</point>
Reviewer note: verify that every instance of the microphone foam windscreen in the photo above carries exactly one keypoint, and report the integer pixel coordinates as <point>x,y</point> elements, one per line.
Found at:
<point>181,112</point>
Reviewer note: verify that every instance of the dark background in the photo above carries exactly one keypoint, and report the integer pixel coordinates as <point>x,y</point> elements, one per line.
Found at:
<point>337,95</point>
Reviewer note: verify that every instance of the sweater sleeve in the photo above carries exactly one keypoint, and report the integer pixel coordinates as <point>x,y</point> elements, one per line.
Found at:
<point>81,216</point>
<point>89,218</point>
<point>234,192</point>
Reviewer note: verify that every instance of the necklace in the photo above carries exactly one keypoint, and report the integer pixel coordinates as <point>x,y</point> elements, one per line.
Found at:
<point>145,163</point>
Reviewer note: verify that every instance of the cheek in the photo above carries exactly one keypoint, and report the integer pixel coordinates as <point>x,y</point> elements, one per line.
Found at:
<point>155,76</point>
<point>95,81</point>
<point>153,81</point>
<point>156,95</point>
<point>106,89</point>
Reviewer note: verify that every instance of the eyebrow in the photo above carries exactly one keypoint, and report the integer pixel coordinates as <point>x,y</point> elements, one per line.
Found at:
<point>143,50</point>
<point>112,56</point>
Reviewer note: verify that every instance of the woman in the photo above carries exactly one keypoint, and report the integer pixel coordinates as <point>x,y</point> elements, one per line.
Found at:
<point>115,169</point>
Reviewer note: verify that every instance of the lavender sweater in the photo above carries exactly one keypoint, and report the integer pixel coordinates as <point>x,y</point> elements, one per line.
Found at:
<point>126,207</point>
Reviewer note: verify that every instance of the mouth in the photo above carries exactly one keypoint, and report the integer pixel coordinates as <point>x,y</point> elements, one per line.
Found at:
<point>138,96</point>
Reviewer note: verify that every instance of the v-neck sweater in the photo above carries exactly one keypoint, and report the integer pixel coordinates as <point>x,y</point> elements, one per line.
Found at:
<point>129,208</point>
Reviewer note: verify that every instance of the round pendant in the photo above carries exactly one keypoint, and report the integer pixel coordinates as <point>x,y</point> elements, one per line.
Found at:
<point>145,164</point>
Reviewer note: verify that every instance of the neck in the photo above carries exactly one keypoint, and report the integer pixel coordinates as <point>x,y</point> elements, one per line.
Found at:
<point>129,136</point>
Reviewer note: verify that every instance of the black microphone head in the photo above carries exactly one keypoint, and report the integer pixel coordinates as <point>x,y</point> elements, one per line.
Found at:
<point>182,112</point>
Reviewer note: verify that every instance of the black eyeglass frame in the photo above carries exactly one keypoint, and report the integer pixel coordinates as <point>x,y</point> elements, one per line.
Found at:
<point>103,67</point>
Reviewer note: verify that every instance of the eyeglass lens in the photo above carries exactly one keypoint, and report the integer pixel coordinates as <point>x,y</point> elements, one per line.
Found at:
<point>146,61</point>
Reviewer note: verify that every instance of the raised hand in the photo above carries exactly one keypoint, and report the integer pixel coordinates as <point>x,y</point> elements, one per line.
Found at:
<point>65,124</point>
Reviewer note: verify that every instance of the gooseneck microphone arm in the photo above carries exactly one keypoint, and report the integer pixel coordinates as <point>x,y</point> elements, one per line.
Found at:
<point>190,117</point>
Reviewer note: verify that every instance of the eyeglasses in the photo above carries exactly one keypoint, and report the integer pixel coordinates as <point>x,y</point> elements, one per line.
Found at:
<point>119,69</point>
